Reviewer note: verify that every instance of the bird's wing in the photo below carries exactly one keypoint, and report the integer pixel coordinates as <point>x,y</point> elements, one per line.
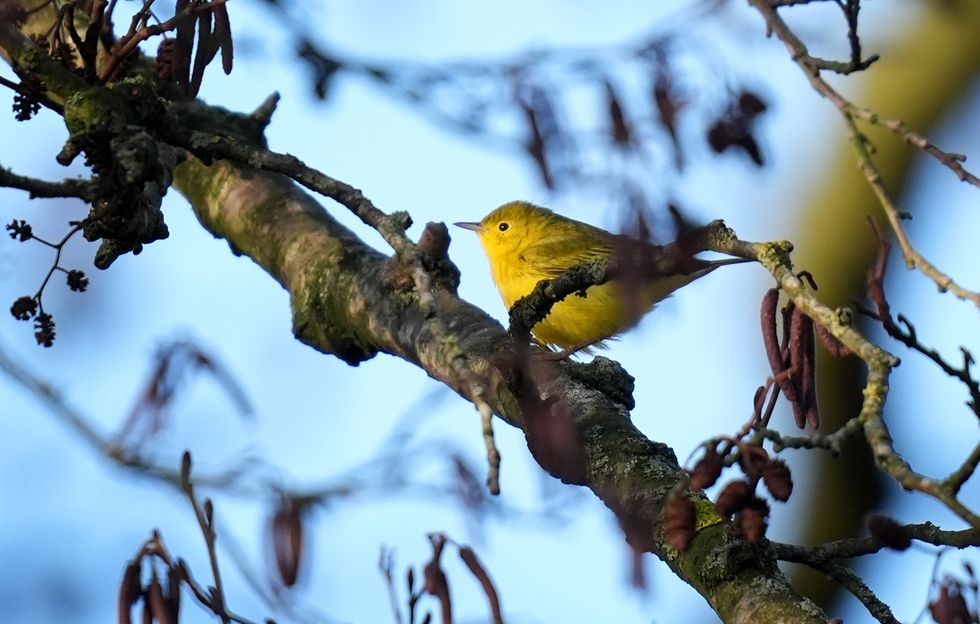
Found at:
<point>555,256</point>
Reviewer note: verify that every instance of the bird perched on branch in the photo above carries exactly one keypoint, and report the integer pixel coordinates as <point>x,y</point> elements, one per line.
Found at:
<point>526,244</point>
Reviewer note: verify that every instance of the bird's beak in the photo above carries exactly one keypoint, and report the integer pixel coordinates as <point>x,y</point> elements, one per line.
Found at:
<point>466,225</point>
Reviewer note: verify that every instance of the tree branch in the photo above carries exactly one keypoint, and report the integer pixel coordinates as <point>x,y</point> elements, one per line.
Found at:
<point>925,532</point>
<point>82,189</point>
<point>345,302</point>
<point>852,113</point>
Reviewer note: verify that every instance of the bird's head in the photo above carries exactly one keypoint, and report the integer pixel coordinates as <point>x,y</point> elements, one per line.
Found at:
<point>511,227</point>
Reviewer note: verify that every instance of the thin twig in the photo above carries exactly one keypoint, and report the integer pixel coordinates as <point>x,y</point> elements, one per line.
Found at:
<point>866,163</point>
<point>205,519</point>
<point>391,227</point>
<point>775,257</point>
<point>958,477</point>
<point>137,36</point>
<point>908,336</point>
<point>925,532</point>
<point>386,562</point>
<point>853,583</point>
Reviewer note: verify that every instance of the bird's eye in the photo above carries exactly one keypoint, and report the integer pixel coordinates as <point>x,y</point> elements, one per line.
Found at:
<point>503,227</point>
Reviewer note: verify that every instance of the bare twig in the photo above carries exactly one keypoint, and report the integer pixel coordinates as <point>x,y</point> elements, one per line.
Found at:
<point>205,519</point>
<point>958,477</point>
<point>908,336</point>
<point>851,114</point>
<point>926,532</point>
<point>82,189</point>
<point>391,227</point>
<point>853,583</point>
<point>775,257</point>
<point>386,562</point>
<point>140,31</point>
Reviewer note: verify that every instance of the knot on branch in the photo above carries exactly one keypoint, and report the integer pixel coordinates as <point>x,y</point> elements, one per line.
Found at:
<point>607,376</point>
<point>434,248</point>
<point>133,169</point>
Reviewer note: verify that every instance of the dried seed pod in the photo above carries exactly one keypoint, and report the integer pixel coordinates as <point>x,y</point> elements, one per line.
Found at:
<point>476,568</point>
<point>620,132</point>
<point>950,606</point>
<point>129,591</point>
<point>185,470</point>
<point>44,329</point>
<point>544,131</point>
<point>173,591</point>
<point>734,497</point>
<point>286,533</point>
<point>808,375</point>
<point>753,460</point>
<point>888,532</point>
<point>77,280</point>
<point>183,44</point>
<point>774,352</point>
<point>669,106</point>
<point>24,308</point>
<point>165,59</point>
<point>778,480</point>
<point>752,520</point>
<point>222,31</point>
<point>436,582</point>
<point>20,230</point>
<point>759,400</point>
<point>679,519</point>
<point>834,346</point>
<point>156,603</point>
<point>707,470</point>
<point>797,350</point>
<point>206,49</point>
<point>751,104</point>
<point>969,572</point>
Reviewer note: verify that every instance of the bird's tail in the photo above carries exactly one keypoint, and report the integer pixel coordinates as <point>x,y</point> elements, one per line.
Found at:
<point>662,287</point>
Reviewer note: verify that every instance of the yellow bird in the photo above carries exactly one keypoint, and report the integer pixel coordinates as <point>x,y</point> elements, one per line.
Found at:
<point>526,243</point>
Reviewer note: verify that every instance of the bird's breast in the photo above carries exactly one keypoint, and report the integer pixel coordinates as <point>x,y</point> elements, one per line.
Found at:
<point>515,278</point>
